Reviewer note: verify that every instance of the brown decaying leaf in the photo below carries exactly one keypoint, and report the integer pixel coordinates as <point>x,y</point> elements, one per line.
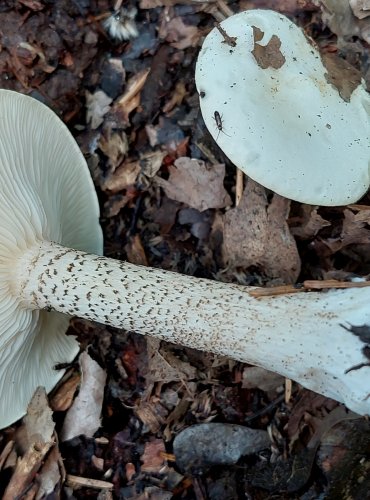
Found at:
<point>310,223</point>
<point>63,398</point>
<point>130,100</point>
<point>178,34</point>
<point>84,415</point>
<point>353,231</point>
<point>152,457</point>
<point>360,8</point>
<point>176,98</point>
<point>152,415</point>
<point>38,422</point>
<point>342,75</point>
<point>196,184</point>
<point>123,177</point>
<point>255,376</point>
<point>50,474</point>
<point>32,4</point>
<point>41,455</point>
<point>285,6</point>
<point>114,145</point>
<point>269,55</point>
<point>151,162</point>
<point>340,18</point>
<point>118,201</point>
<point>256,234</point>
<point>135,251</point>
<point>165,367</point>
<point>7,450</point>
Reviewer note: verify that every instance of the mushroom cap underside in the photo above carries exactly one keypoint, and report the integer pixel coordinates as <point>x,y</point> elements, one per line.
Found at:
<point>46,193</point>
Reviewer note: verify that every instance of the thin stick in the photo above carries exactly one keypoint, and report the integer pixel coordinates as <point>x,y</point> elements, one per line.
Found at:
<point>224,8</point>
<point>276,290</point>
<point>305,287</point>
<point>239,187</point>
<point>229,40</point>
<point>321,285</point>
<point>75,482</point>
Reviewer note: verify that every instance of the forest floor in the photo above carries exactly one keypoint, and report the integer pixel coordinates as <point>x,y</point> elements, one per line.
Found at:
<point>133,107</point>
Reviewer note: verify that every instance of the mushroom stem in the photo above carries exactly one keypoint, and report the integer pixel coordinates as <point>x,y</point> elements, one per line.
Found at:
<point>299,336</point>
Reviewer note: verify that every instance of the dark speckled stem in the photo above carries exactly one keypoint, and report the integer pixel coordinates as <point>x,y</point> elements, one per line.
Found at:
<point>298,336</point>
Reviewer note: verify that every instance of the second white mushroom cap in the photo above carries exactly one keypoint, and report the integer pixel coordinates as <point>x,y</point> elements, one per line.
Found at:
<point>266,99</point>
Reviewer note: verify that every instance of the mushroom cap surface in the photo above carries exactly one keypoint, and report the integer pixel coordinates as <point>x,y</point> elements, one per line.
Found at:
<point>278,117</point>
<point>46,193</point>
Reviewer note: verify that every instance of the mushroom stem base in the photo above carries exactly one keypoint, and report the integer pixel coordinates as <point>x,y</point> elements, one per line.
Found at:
<point>298,336</point>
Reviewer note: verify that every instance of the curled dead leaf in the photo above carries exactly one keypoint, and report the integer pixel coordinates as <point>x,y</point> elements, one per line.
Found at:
<point>256,234</point>
<point>198,185</point>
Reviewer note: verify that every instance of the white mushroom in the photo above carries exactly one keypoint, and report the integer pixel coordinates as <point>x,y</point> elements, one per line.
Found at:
<point>47,204</point>
<point>267,100</point>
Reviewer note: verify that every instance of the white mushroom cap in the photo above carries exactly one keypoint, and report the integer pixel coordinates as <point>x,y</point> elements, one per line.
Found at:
<point>283,124</point>
<point>46,192</point>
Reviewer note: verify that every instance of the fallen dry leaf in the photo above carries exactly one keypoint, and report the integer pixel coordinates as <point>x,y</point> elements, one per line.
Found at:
<point>360,8</point>
<point>152,415</point>
<point>353,231</point>
<point>284,6</point>
<point>310,223</point>
<point>115,146</point>
<point>84,415</point>
<point>164,366</point>
<point>342,75</point>
<point>117,201</point>
<point>38,422</point>
<point>50,474</point>
<point>178,34</point>
<point>63,398</point>
<point>255,376</point>
<point>41,455</point>
<point>196,184</point>
<point>256,234</point>
<point>340,18</point>
<point>135,251</point>
<point>151,162</point>
<point>125,175</point>
<point>176,98</point>
<point>7,450</point>
<point>152,457</point>
<point>97,106</point>
<point>130,100</point>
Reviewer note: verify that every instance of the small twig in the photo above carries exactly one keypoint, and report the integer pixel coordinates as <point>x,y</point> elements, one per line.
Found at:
<point>288,390</point>
<point>239,186</point>
<point>5,453</point>
<point>224,8</point>
<point>229,40</point>
<point>79,482</point>
<point>321,285</point>
<point>276,290</point>
<point>306,286</point>
<point>26,469</point>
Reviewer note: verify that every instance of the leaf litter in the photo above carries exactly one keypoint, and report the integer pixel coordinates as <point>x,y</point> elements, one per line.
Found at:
<point>167,197</point>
